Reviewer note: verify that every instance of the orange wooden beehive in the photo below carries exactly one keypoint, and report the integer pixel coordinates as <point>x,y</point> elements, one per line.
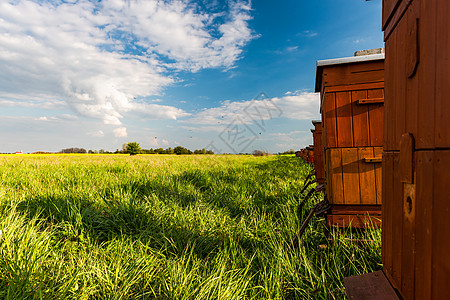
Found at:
<point>416,157</point>
<point>318,151</point>
<point>352,97</point>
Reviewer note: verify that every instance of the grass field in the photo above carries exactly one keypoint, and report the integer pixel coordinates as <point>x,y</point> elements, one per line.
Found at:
<point>167,227</point>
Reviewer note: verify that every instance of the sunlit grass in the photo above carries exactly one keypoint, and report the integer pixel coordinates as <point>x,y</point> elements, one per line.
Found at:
<point>167,227</point>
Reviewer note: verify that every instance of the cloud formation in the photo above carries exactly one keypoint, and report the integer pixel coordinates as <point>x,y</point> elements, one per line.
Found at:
<point>298,105</point>
<point>97,58</point>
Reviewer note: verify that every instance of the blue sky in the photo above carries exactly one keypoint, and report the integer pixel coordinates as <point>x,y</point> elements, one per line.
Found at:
<point>233,76</point>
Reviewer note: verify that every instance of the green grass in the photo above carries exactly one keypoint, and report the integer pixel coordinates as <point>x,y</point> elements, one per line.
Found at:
<point>167,227</point>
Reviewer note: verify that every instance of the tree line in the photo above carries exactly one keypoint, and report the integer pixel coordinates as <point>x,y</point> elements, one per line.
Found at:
<point>134,148</point>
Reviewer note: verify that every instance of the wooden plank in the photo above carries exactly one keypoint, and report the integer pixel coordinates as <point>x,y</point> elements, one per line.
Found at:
<point>371,286</point>
<point>356,209</point>
<point>329,120</point>
<point>360,122</point>
<point>366,176</point>
<point>370,101</point>
<point>350,176</point>
<point>412,83</point>
<point>441,226</point>
<point>344,119</point>
<point>400,87</point>
<point>387,215</point>
<point>355,87</point>
<point>318,153</point>
<point>427,75</point>
<point>442,41</point>
<point>378,151</point>
<point>389,7</point>
<point>357,73</point>
<point>397,226</point>
<point>408,240</point>
<point>354,221</point>
<point>406,163</point>
<point>392,25</point>
<point>424,208</point>
<point>376,118</point>
<point>390,95</point>
<point>335,175</point>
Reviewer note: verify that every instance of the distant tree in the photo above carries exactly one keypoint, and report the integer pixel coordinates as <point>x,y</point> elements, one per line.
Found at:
<point>133,148</point>
<point>159,150</point>
<point>197,151</point>
<point>73,150</point>
<point>181,150</point>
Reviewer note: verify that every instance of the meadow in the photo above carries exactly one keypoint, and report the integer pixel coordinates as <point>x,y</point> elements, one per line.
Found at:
<point>168,227</point>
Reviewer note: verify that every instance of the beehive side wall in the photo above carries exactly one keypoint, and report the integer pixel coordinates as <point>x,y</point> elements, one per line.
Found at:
<point>351,179</point>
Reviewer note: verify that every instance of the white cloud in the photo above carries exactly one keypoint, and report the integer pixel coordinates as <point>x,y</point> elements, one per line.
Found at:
<point>42,119</point>
<point>120,132</point>
<point>97,133</point>
<point>298,105</point>
<point>96,58</point>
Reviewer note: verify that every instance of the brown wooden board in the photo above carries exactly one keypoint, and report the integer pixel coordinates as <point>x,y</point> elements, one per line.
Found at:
<point>329,120</point>
<point>412,82</point>
<point>397,228</point>
<point>356,73</point>
<point>318,152</point>
<point>335,189</point>
<point>427,75</point>
<point>350,176</point>
<point>387,215</point>
<point>389,7</point>
<point>355,209</point>
<point>355,221</point>
<point>376,116</point>
<point>400,87</point>
<point>378,152</point>
<point>443,75</point>
<point>344,119</point>
<point>360,114</point>
<point>354,87</point>
<point>424,208</point>
<point>371,286</point>
<point>367,180</point>
<point>441,226</point>
<point>388,132</point>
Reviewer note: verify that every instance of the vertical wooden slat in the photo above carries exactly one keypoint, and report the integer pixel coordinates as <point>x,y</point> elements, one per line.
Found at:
<point>397,215</point>
<point>367,176</point>
<point>400,87</point>
<point>441,226</point>
<point>412,83</point>
<point>443,76</point>
<point>378,151</point>
<point>335,174</point>
<point>330,120</point>
<point>376,115</point>
<point>427,75</point>
<point>387,213</point>
<point>344,119</point>
<point>350,174</point>
<point>424,208</point>
<point>360,114</point>
<point>389,99</point>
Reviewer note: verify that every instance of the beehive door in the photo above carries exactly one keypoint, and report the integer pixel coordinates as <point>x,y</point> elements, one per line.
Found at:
<point>407,180</point>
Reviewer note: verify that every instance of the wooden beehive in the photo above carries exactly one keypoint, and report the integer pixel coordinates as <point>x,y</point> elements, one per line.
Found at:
<point>318,151</point>
<point>416,157</point>
<point>352,104</point>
